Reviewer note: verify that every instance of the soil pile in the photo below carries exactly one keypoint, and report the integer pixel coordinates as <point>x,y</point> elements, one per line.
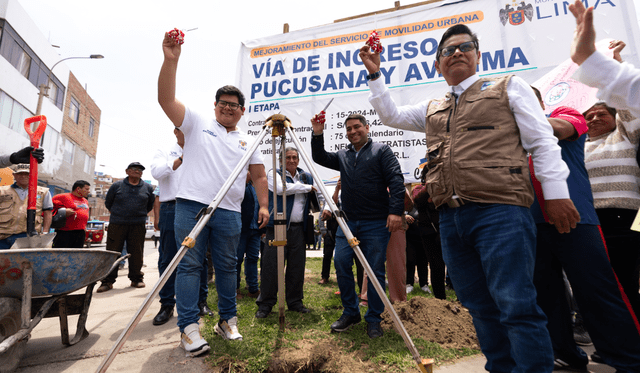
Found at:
<point>440,321</point>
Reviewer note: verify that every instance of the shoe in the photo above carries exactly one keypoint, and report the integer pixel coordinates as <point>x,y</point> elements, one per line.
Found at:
<point>104,287</point>
<point>204,309</point>
<point>166,312</point>
<point>374,330</point>
<point>581,336</point>
<point>323,281</point>
<point>192,342</point>
<point>228,329</point>
<point>426,289</point>
<point>261,314</point>
<point>344,323</point>
<point>254,294</point>
<point>300,309</point>
<point>559,364</point>
<point>409,288</point>
<point>364,303</point>
<point>596,358</point>
<point>138,285</point>
<point>337,292</point>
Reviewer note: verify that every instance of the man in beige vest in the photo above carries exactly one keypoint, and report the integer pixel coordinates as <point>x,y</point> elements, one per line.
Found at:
<point>478,136</point>
<point>13,208</point>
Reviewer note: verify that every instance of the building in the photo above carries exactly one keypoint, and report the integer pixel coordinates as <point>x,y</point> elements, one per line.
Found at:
<point>73,118</point>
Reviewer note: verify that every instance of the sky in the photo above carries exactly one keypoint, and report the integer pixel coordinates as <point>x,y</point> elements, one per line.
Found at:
<point>129,34</point>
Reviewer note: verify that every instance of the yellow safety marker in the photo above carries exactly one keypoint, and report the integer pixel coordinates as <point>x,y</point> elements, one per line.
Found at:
<point>188,242</point>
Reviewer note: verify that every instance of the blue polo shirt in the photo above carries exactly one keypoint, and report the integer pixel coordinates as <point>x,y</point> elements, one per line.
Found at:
<point>578,180</point>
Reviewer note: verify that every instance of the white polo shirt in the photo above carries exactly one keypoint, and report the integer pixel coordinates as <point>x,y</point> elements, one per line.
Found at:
<point>210,154</point>
<point>162,170</point>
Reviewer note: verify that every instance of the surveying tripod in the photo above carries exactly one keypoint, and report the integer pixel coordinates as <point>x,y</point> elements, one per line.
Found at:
<point>280,126</point>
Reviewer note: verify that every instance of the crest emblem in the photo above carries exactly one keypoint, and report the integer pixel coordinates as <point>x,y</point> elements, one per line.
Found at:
<point>516,16</point>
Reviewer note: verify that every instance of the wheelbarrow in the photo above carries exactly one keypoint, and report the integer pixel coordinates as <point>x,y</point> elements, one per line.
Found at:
<point>33,281</point>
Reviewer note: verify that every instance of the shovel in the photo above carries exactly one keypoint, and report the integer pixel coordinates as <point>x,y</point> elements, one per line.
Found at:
<point>33,240</point>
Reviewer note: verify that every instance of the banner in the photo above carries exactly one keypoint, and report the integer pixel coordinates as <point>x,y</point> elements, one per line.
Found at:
<point>297,73</point>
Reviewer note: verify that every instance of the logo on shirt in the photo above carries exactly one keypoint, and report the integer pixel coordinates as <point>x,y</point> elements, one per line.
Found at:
<point>486,85</point>
<point>516,16</point>
<point>175,154</point>
<point>242,144</point>
<point>210,133</point>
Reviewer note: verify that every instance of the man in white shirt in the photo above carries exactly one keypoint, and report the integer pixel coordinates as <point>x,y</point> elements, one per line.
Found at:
<point>213,148</point>
<point>165,168</point>
<point>478,136</point>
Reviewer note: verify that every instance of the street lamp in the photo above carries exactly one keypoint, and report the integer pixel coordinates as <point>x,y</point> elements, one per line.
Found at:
<point>45,88</point>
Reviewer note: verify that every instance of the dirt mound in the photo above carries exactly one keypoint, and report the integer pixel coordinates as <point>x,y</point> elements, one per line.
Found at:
<point>440,321</point>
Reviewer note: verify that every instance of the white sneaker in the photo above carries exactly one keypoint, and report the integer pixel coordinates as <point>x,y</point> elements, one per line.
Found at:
<point>228,329</point>
<point>192,342</point>
<point>426,289</point>
<point>409,288</point>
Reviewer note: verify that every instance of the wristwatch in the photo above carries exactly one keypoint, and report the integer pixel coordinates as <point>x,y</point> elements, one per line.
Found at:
<point>375,75</point>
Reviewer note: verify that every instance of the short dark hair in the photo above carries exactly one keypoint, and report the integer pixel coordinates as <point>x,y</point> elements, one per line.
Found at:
<point>230,90</point>
<point>359,117</point>
<point>611,110</point>
<point>79,184</point>
<point>457,30</point>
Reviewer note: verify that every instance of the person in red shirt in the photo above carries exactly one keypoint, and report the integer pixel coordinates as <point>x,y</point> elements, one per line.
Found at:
<point>72,235</point>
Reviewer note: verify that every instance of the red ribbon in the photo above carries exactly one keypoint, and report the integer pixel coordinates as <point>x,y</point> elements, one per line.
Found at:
<point>374,42</point>
<point>177,35</point>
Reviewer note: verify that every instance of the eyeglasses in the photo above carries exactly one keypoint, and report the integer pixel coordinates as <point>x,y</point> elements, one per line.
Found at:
<point>464,47</point>
<point>136,169</point>
<point>232,105</point>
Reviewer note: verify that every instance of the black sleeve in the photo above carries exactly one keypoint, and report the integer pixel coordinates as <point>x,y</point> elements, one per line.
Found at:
<point>394,179</point>
<point>321,156</point>
<point>111,195</point>
<point>151,199</point>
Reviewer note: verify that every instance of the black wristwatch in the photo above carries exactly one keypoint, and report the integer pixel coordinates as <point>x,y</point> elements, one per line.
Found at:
<point>375,75</point>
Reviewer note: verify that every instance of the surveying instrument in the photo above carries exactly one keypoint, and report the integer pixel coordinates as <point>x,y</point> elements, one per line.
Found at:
<point>279,126</point>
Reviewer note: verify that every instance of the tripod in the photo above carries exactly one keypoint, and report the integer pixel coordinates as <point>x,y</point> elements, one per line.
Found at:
<point>280,126</point>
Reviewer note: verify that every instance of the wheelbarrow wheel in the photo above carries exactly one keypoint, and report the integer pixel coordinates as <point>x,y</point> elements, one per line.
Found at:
<point>10,322</point>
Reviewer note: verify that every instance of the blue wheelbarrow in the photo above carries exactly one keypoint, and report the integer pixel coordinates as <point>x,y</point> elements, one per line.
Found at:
<point>35,283</point>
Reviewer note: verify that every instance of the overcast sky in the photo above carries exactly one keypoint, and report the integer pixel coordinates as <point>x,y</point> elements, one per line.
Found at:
<point>129,34</point>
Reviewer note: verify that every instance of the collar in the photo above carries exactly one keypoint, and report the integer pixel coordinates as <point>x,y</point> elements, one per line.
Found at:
<point>460,88</point>
<point>16,186</point>
<point>350,146</point>
<point>223,128</point>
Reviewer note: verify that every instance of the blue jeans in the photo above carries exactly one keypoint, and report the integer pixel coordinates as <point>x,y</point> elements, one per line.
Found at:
<point>374,237</point>
<point>223,233</point>
<point>489,250</point>
<point>249,245</point>
<point>167,250</point>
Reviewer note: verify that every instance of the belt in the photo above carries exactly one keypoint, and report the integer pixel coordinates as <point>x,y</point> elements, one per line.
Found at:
<point>296,223</point>
<point>457,202</point>
<point>172,202</point>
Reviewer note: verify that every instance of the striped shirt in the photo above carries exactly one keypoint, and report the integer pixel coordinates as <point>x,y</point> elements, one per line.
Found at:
<point>611,163</point>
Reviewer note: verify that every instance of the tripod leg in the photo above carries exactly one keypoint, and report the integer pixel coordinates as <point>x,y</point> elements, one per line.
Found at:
<point>188,243</point>
<point>353,242</point>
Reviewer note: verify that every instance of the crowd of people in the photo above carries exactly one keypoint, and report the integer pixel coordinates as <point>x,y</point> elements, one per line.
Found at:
<point>524,201</point>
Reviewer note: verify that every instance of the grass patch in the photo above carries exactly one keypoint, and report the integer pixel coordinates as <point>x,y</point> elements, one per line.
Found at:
<point>308,335</point>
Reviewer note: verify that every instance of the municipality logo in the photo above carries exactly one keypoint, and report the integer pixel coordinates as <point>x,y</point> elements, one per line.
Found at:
<point>557,93</point>
<point>516,16</point>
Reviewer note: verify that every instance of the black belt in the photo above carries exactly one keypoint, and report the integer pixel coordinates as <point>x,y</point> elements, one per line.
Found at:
<point>296,223</point>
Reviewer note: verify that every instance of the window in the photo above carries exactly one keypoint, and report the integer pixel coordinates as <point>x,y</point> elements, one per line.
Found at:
<point>20,55</point>
<point>74,110</point>
<point>69,149</point>
<point>13,114</point>
<point>92,124</point>
<point>88,164</point>
<point>50,140</point>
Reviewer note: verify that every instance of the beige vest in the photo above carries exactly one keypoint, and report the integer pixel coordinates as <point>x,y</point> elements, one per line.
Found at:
<point>474,147</point>
<point>13,211</point>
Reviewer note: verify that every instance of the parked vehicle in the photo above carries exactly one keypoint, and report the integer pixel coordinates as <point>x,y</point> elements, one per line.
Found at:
<point>152,234</point>
<point>95,232</point>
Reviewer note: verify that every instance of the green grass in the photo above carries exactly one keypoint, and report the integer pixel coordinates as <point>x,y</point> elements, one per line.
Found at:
<point>263,339</point>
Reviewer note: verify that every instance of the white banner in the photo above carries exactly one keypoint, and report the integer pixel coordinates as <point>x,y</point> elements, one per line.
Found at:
<point>297,73</point>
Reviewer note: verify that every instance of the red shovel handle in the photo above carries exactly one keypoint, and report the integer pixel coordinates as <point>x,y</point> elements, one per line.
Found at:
<point>34,136</point>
